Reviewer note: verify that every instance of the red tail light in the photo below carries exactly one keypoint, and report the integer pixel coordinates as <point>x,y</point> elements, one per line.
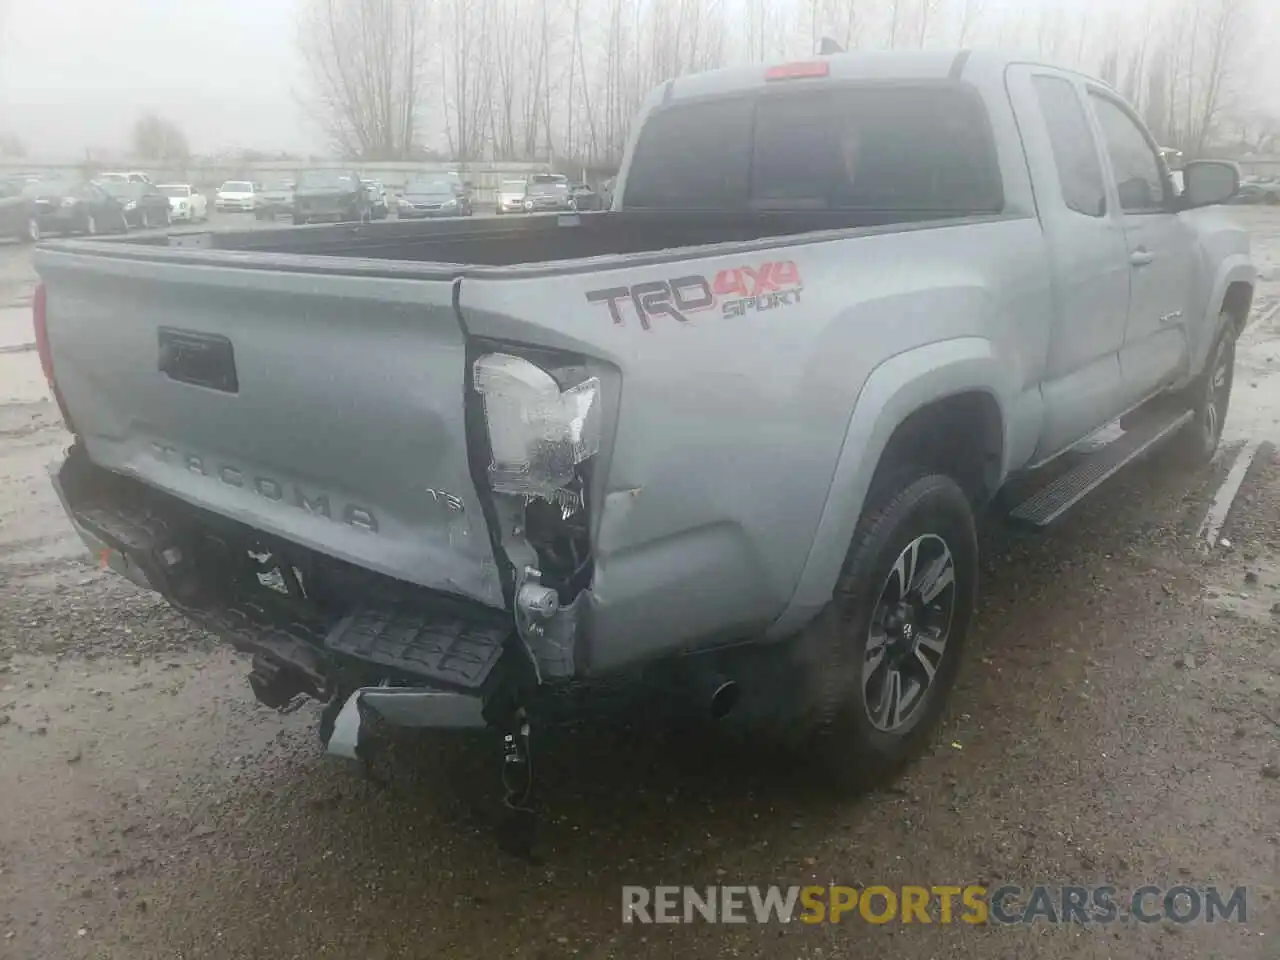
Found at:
<point>40,321</point>
<point>797,71</point>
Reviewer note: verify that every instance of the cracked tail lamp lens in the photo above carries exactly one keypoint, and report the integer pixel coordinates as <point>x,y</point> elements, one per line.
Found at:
<point>537,432</point>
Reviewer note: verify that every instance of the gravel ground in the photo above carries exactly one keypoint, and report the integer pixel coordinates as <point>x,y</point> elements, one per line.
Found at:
<point>1117,721</point>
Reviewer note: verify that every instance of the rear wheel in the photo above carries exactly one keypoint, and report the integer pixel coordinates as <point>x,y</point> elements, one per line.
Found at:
<point>882,658</point>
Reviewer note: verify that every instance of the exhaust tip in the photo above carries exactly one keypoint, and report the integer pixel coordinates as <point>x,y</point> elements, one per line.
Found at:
<point>724,698</point>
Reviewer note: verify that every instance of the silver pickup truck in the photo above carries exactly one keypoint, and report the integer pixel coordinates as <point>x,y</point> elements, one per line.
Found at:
<point>732,433</point>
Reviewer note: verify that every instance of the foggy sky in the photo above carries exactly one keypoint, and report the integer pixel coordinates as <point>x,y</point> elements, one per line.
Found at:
<point>77,73</point>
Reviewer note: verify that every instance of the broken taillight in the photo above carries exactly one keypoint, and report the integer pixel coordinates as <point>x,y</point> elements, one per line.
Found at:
<point>538,433</point>
<point>40,324</point>
<point>798,71</point>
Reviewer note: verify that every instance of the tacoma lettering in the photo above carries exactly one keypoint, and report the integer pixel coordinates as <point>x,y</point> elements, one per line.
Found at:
<point>268,488</point>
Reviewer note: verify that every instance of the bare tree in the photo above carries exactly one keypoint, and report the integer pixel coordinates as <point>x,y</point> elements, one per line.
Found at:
<point>894,16</point>
<point>928,11</point>
<point>1257,131</point>
<point>159,140</point>
<point>1050,31</point>
<point>465,74</point>
<point>970,15</point>
<point>365,61</point>
<point>1225,23</point>
<point>1109,69</point>
<point>1157,109</point>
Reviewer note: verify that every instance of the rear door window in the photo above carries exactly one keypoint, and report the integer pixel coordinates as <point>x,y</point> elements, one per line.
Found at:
<point>868,147</point>
<point>1075,152</point>
<point>1135,164</point>
<point>918,149</point>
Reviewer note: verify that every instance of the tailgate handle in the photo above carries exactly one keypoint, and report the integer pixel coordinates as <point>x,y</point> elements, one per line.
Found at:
<point>200,359</point>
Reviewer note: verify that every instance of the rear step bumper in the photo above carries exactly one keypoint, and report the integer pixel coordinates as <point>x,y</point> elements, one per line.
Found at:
<point>423,660</point>
<point>421,708</point>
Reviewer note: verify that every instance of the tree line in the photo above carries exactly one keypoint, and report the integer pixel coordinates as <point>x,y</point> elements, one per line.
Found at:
<point>561,79</point>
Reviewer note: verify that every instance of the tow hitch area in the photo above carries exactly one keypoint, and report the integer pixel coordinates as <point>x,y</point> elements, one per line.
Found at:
<point>446,670</point>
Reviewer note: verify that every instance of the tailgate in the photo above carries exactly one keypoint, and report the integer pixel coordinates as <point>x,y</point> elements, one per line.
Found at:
<point>325,409</point>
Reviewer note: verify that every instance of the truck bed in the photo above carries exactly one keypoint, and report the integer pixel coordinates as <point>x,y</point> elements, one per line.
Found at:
<point>517,241</point>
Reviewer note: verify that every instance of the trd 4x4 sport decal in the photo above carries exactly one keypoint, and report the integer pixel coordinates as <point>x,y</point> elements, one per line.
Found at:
<point>736,291</point>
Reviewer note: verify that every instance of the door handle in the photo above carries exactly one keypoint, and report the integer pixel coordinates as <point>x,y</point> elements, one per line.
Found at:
<point>1141,257</point>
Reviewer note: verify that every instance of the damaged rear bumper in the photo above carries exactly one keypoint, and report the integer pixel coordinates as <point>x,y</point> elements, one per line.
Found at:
<point>376,648</point>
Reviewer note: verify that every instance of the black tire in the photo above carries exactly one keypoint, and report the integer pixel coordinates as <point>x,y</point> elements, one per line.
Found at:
<point>1209,396</point>
<point>847,720</point>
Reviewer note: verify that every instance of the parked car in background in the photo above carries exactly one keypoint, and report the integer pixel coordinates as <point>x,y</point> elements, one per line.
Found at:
<point>378,204</point>
<point>545,195</point>
<point>145,206</point>
<point>75,206</point>
<point>1258,190</point>
<point>511,196</point>
<point>433,198</point>
<point>185,202</point>
<point>17,212</point>
<point>584,198</point>
<point>123,176</point>
<point>275,199</point>
<point>330,195</point>
<point>236,195</point>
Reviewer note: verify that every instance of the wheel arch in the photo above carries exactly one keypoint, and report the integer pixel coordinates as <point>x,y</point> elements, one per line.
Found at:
<point>1237,301</point>
<point>929,401</point>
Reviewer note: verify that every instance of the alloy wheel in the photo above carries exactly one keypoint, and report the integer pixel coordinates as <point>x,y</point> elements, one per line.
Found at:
<point>1218,390</point>
<point>907,639</point>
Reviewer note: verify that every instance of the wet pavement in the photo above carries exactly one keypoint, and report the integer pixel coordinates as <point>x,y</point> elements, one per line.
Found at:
<point>1117,722</point>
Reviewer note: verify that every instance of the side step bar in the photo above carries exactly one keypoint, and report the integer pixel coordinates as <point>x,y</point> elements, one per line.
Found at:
<point>1063,493</point>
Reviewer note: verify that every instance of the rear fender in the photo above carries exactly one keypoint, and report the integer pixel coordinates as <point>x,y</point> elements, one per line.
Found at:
<point>897,388</point>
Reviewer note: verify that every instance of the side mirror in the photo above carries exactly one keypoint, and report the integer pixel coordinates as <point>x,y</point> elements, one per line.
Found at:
<point>1208,182</point>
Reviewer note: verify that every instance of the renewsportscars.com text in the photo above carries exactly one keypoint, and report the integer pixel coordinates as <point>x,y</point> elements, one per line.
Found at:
<point>943,904</point>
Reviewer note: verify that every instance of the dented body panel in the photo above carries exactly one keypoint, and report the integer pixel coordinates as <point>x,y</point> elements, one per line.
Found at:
<point>344,431</point>
<point>726,444</point>
<point>751,372</point>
